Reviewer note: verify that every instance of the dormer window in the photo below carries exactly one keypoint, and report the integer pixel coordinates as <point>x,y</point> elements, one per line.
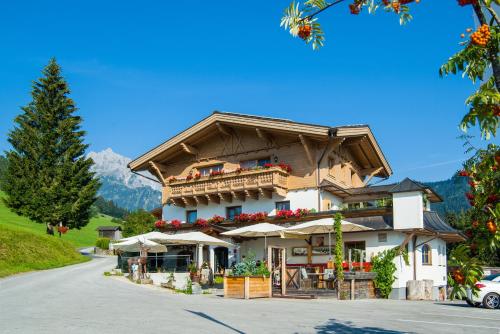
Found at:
<point>205,171</point>
<point>255,163</point>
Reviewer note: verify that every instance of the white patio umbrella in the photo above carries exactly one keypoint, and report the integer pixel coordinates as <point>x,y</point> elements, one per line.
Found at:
<point>155,236</point>
<point>325,225</point>
<point>136,243</point>
<point>194,238</point>
<point>258,230</point>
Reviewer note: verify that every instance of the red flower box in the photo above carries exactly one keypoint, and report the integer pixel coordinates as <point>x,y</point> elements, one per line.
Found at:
<point>175,223</point>
<point>201,222</point>
<point>160,223</point>
<point>216,219</point>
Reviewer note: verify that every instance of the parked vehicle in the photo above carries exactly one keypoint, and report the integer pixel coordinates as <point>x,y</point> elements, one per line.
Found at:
<point>489,292</point>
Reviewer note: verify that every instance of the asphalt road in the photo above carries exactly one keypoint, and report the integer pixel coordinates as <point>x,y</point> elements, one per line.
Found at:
<point>79,299</point>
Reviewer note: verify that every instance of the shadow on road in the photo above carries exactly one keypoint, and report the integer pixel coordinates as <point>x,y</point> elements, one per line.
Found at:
<point>347,327</point>
<point>206,316</point>
<point>464,305</point>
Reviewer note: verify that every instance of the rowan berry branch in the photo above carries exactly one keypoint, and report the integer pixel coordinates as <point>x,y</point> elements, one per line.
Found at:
<point>493,57</point>
<point>309,17</point>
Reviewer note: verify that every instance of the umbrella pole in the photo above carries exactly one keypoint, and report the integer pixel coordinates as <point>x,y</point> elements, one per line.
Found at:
<point>265,247</point>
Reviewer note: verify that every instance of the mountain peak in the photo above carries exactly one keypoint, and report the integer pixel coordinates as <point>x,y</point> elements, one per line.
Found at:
<point>112,165</point>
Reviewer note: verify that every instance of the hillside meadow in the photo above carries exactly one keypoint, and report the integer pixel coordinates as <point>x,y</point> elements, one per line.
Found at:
<point>84,237</point>
<point>24,245</point>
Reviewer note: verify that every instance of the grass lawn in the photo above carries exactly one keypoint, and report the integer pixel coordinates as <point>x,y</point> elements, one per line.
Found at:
<point>22,250</point>
<point>78,238</point>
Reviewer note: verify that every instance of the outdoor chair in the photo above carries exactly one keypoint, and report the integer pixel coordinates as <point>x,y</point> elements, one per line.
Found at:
<point>305,281</point>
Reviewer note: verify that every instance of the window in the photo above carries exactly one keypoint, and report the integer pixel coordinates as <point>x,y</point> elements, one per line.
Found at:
<point>255,162</point>
<point>191,216</point>
<point>232,211</point>
<point>382,237</point>
<point>355,248</point>
<point>205,171</point>
<point>285,205</point>
<point>426,254</point>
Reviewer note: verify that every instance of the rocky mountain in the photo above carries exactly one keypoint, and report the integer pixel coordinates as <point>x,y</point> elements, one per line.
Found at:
<point>126,189</point>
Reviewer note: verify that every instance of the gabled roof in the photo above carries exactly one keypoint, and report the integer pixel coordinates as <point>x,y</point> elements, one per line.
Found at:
<point>220,119</point>
<point>407,185</point>
<point>109,228</point>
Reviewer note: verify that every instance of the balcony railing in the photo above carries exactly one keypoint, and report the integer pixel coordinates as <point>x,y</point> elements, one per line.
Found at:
<point>252,183</point>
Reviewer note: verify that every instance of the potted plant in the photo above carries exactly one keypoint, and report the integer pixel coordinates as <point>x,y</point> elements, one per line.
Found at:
<point>193,272</point>
<point>248,280</point>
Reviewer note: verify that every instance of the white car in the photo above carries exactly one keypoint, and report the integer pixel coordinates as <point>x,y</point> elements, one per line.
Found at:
<point>489,292</point>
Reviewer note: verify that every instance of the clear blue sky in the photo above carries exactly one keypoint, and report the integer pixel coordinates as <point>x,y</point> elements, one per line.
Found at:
<point>142,71</point>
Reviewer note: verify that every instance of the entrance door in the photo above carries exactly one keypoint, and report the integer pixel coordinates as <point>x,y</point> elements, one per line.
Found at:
<point>221,259</point>
<point>277,265</point>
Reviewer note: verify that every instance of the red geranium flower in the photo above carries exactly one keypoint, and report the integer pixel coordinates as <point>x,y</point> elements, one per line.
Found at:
<point>175,223</point>
<point>160,223</point>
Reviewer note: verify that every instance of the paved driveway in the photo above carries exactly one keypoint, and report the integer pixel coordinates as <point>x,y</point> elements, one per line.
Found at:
<point>79,299</point>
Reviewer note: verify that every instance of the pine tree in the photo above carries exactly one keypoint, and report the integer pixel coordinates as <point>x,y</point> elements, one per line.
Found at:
<point>48,178</point>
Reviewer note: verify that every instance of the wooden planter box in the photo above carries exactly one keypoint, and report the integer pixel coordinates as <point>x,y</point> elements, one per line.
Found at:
<point>247,287</point>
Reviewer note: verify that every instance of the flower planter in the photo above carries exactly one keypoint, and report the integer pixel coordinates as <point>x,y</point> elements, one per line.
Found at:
<point>247,287</point>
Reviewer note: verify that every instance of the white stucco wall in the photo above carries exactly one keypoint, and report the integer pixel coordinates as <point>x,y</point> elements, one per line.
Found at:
<point>437,270</point>
<point>408,210</point>
<point>304,199</point>
<point>336,202</point>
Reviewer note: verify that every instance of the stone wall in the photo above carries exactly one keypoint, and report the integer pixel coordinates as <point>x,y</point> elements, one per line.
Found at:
<point>363,289</point>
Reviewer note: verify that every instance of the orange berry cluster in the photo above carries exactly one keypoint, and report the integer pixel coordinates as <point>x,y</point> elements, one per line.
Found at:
<point>396,6</point>
<point>355,8</point>
<point>481,36</point>
<point>305,31</point>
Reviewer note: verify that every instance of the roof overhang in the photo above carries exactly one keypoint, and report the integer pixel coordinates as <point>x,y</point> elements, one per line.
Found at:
<point>359,137</point>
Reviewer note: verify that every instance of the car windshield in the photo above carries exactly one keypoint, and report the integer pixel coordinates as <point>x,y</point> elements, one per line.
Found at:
<point>491,277</point>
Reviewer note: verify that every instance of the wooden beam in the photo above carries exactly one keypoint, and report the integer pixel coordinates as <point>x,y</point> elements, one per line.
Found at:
<point>253,194</point>
<point>226,197</point>
<point>356,141</point>
<point>371,175</point>
<point>239,195</point>
<point>189,201</point>
<point>332,146</point>
<point>266,136</point>
<point>201,200</point>
<point>280,191</point>
<point>307,148</point>
<point>225,130</point>
<point>189,149</point>
<point>268,193</point>
<point>179,202</point>
<point>213,198</point>
<point>156,169</point>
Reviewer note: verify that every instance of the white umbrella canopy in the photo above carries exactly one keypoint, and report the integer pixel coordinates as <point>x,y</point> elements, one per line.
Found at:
<point>194,238</point>
<point>325,225</point>
<point>258,230</point>
<point>155,236</point>
<point>137,244</point>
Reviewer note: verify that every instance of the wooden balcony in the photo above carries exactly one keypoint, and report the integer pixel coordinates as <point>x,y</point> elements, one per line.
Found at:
<point>246,184</point>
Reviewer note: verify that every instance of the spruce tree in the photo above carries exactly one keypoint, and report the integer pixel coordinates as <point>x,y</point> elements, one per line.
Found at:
<point>48,178</point>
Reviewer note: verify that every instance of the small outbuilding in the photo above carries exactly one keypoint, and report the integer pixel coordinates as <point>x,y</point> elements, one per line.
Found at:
<point>111,232</point>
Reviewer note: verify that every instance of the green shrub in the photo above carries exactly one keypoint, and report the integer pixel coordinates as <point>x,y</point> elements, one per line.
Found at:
<point>107,273</point>
<point>248,267</point>
<point>102,243</point>
<point>383,264</point>
<point>218,280</point>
